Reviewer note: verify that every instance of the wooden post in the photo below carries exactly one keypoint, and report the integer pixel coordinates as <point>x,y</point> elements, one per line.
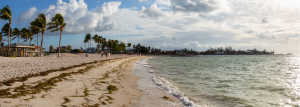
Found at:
<point>15,53</point>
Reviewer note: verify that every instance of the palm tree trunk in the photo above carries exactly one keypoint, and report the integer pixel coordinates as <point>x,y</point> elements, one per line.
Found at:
<point>59,43</point>
<point>41,44</point>
<point>18,39</point>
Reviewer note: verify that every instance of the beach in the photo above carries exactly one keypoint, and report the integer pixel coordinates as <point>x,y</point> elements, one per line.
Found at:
<point>118,81</point>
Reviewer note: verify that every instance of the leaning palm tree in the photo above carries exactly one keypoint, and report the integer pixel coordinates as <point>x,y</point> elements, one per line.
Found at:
<point>42,25</point>
<point>57,23</point>
<point>16,32</point>
<point>35,29</point>
<point>5,14</point>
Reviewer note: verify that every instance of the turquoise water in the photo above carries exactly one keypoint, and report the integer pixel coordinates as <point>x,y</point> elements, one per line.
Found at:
<point>235,81</point>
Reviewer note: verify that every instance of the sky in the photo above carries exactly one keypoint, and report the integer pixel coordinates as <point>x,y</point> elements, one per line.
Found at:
<point>169,24</point>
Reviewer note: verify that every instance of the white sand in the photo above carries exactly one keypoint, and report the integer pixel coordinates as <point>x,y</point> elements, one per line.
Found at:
<point>20,66</point>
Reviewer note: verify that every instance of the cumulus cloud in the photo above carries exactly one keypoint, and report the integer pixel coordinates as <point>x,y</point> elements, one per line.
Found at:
<point>27,15</point>
<point>200,6</point>
<point>153,11</point>
<point>163,2</point>
<point>77,16</point>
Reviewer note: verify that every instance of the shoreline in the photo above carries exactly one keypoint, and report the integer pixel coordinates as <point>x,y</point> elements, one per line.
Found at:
<point>153,96</point>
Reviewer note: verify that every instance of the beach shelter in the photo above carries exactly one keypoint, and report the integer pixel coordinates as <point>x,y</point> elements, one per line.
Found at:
<point>19,48</point>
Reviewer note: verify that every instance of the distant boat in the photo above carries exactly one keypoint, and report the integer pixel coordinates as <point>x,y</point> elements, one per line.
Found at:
<point>289,54</point>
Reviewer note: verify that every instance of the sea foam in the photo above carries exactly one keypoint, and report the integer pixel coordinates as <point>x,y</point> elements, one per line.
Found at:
<point>162,83</point>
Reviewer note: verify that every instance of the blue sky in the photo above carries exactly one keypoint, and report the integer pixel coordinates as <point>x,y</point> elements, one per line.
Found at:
<point>170,24</point>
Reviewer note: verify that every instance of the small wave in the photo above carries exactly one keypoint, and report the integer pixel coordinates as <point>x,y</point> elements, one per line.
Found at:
<point>169,87</point>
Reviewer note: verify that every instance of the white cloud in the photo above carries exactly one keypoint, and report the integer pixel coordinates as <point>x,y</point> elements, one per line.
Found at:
<point>142,0</point>
<point>163,2</point>
<point>153,11</point>
<point>99,19</point>
<point>27,15</point>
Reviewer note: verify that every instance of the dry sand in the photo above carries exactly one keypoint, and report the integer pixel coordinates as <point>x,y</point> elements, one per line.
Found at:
<point>20,66</point>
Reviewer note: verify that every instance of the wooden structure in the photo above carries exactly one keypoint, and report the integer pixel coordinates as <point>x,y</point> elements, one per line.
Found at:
<point>18,50</point>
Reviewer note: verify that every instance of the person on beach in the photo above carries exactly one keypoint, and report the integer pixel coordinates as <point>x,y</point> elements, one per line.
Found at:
<point>102,54</point>
<point>106,54</point>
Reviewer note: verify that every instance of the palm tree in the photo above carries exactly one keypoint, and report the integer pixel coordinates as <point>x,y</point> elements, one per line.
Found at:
<point>16,32</point>
<point>85,41</point>
<point>100,41</point>
<point>5,30</point>
<point>34,26</point>
<point>26,34</point>
<point>109,44</point>
<point>97,39</point>
<point>88,37</point>
<point>104,43</point>
<point>5,14</point>
<point>128,45</point>
<point>42,22</point>
<point>57,23</point>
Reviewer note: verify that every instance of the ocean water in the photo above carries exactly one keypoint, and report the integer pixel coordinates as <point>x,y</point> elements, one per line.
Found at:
<point>232,81</point>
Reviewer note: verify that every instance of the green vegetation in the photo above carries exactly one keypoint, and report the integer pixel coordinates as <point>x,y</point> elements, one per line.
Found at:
<point>51,48</point>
